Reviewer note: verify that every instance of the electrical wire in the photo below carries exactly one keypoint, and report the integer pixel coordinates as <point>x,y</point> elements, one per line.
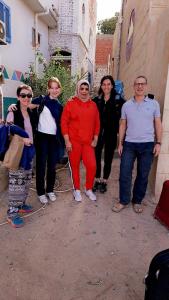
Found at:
<point>57,191</point>
<point>28,215</point>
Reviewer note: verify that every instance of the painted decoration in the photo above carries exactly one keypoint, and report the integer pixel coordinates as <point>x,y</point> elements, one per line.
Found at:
<point>5,73</point>
<point>130,36</point>
<point>13,75</point>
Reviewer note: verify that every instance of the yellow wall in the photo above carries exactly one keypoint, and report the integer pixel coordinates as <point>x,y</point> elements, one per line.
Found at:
<point>149,57</point>
<point>137,63</point>
<point>150,52</point>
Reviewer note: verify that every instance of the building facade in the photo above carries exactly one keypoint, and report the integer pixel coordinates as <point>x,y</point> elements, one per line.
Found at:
<point>26,30</point>
<point>103,60</point>
<point>76,36</point>
<point>141,47</point>
<point>45,26</point>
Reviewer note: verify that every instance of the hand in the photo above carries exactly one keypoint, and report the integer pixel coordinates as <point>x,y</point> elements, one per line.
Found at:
<point>27,141</point>
<point>156,150</point>
<point>94,143</point>
<point>120,149</point>
<point>68,146</point>
<point>32,106</point>
<point>12,107</point>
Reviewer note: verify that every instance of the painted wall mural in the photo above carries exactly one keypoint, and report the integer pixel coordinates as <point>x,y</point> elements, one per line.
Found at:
<point>130,35</point>
<point>12,74</point>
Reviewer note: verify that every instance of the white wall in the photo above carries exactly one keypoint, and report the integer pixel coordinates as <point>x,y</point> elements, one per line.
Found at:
<point>48,3</point>
<point>19,54</point>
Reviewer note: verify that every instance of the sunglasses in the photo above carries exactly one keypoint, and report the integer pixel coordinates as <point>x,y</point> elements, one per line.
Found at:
<point>84,89</point>
<point>140,83</point>
<point>25,95</point>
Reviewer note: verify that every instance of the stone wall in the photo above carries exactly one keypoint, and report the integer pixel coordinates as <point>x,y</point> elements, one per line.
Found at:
<point>100,71</point>
<point>163,160</point>
<point>72,37</point>
<point>103,57</point>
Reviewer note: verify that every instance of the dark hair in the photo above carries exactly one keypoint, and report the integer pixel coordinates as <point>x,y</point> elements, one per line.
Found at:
<point>141,76</point>
<point>23,87</point>
<point>107,77</point>
<point>84,83</point>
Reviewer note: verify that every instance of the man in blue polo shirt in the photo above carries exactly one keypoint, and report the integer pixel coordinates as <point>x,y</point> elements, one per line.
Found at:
<point>139,138</point>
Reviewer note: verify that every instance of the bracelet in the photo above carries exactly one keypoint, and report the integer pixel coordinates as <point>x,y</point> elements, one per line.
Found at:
<point>158,143</point>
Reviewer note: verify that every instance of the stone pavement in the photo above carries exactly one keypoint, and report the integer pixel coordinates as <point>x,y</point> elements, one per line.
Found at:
<point>79,251</point>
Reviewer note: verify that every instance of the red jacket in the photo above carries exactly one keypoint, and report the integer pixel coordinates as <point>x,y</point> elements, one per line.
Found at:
<point>80,120</point>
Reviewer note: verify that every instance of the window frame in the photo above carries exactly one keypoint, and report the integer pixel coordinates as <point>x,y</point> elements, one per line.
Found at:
<point>34,45</point>
<point>6,10</point>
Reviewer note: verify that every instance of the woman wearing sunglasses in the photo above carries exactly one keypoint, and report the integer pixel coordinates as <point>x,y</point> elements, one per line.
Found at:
<point>48,139</point>
<point>80,128</point>
<point>19,180</point>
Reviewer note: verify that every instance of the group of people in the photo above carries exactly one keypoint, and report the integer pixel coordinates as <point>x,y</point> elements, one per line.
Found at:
<point>85,126</point>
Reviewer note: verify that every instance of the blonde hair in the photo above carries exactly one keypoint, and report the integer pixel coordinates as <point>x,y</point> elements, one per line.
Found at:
<point>54,79</point>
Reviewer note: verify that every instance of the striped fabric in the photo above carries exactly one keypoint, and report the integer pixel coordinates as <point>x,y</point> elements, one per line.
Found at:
<point>19,183</point>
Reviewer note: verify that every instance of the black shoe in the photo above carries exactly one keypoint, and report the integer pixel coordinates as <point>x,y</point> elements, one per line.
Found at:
<point>96,186</point>
<point>103,187</point>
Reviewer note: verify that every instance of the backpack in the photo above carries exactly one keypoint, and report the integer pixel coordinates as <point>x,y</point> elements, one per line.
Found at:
<point>157,280</point>
<point>119,88</point>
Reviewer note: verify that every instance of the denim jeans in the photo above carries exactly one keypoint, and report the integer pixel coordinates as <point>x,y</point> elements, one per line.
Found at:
<point>143,152</point>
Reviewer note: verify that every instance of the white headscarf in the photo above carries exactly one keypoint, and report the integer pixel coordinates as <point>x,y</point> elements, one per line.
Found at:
<point>79,83</point>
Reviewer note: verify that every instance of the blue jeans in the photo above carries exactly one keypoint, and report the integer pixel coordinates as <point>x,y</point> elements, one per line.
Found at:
<point>143,152</point>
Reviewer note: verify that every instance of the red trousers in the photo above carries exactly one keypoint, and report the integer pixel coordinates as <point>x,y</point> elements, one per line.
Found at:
<point>87,155</point>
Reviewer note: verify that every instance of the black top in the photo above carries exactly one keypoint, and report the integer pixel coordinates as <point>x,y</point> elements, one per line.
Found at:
<point>19,119</point>
<point>110,113</point>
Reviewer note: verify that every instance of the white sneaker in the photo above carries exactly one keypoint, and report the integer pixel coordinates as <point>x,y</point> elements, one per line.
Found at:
<point>43,199</point>
<point>77,195</point>
<point>52,196</point>
<point>90,195</point>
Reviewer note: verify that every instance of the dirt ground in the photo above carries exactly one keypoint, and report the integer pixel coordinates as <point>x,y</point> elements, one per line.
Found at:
<point>79,251</point>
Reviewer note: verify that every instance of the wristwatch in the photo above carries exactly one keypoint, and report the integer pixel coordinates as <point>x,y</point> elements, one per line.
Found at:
<point>158,143</point>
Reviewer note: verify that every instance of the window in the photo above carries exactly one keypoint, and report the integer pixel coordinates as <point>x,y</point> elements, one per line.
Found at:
<point>83,9</point>
<point>5,16</point>
<point>34,38</point>
<point>39,38</point>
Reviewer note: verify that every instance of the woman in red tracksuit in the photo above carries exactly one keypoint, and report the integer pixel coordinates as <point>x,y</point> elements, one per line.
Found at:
<point>80,127</point>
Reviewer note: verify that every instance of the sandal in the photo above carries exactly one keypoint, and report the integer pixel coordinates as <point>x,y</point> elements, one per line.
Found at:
<point>138,208</point>
<point>117,207</point>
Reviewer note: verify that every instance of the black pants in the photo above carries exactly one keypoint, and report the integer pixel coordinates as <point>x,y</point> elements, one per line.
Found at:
<point>46,157</point>
<point>109,144</point>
